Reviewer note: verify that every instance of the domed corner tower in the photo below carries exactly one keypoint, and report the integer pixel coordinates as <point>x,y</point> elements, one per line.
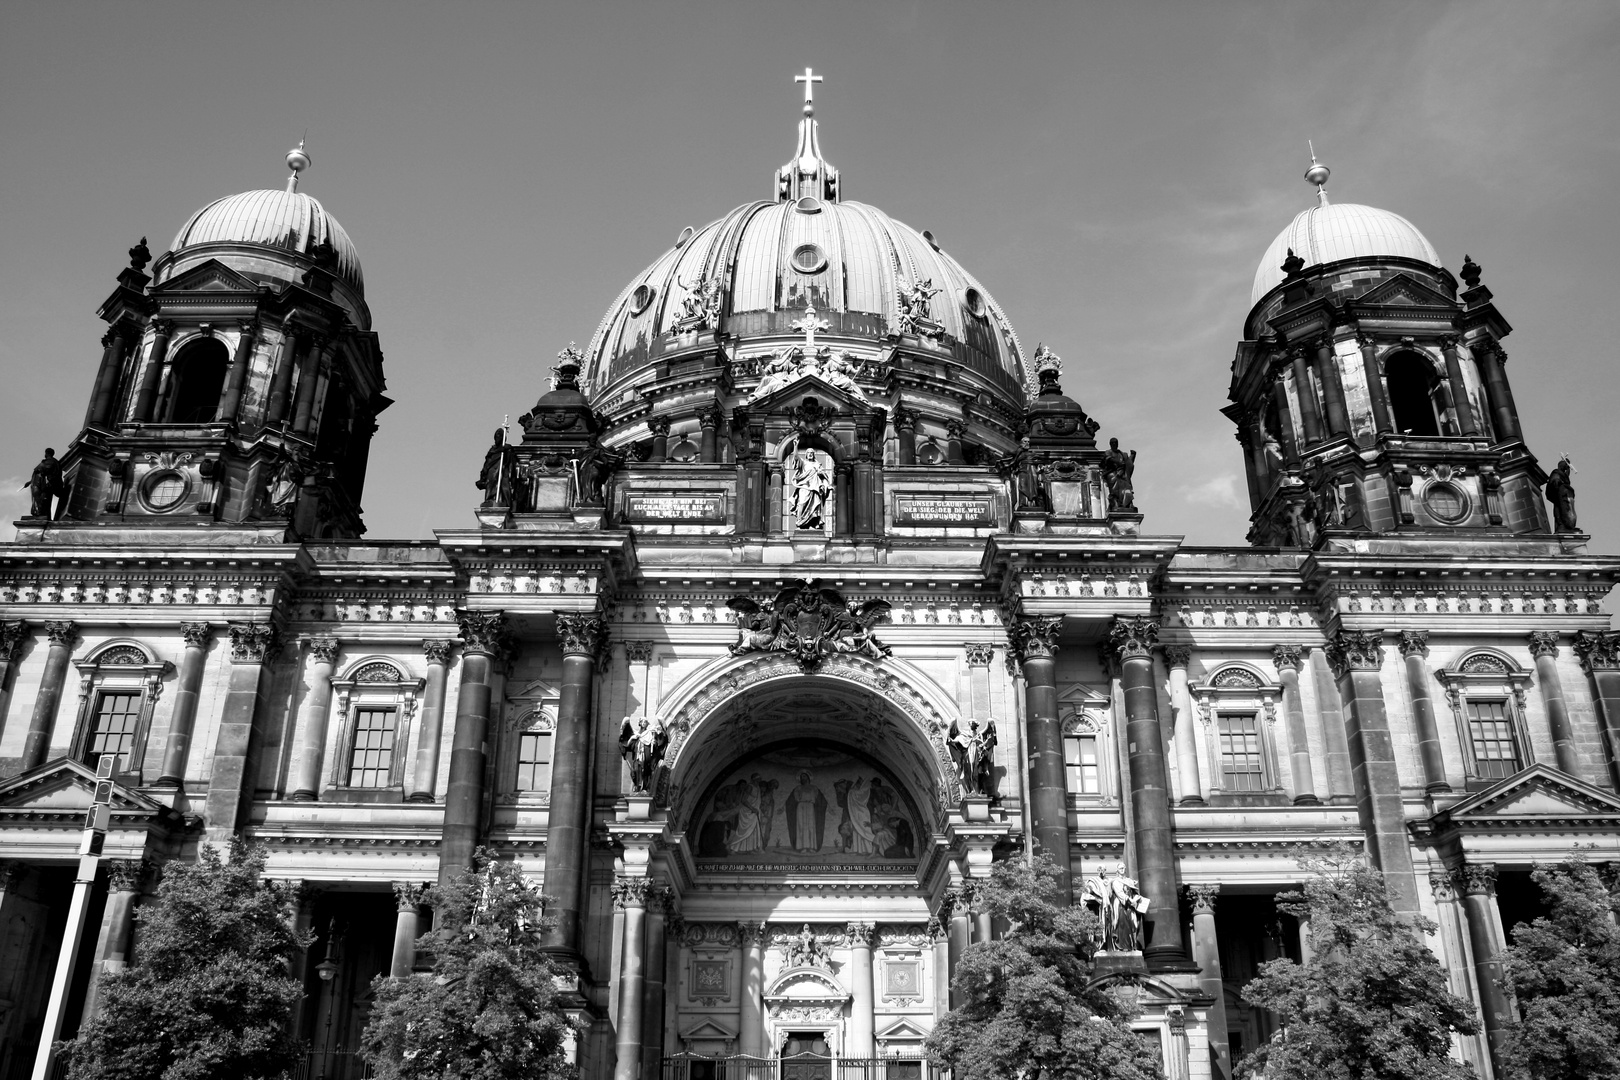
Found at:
<point>238,388</point>
<point>831,358</point>
<point>1370,394</point>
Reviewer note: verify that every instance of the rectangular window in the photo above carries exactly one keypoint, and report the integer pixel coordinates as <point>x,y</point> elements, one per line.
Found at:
<point>1080,757</point>
<point>1241,766</point>
<point>112,728</point>
<point>1490,729</point>
<point>534,761</point>
<point>372,762</point>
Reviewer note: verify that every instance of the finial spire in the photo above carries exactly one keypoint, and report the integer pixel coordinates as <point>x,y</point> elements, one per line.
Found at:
<point>298,160</point>
<point>808,174</point>
<point>1317,174</point>
<point>809,79</point>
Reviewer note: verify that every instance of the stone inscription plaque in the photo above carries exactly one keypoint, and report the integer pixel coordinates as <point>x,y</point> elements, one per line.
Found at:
<point>688,506</point>
<point>964,510</point>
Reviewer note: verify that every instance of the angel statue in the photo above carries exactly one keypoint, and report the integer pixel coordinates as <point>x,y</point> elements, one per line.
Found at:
<point>780,369</point>
<point>916,302</point>
<point>642,744</point>
<point>756,625</point>
<point>854,629</point>
<point>972,748</point>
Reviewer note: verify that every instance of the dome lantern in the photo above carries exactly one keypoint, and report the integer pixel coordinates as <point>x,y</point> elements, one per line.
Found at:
<point>809,175</point>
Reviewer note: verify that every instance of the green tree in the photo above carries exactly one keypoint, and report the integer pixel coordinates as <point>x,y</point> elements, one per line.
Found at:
<point>1564,968</point>
<point>1028,1009</point>
<point>1372,1003</point>
<point>490,1008</point>
<point>210,995</point>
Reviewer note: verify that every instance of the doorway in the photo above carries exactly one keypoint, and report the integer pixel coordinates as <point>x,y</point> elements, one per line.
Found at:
<point>806,1056</point>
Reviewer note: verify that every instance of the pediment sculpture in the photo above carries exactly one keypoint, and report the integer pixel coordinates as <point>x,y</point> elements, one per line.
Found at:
<point>810,622</point>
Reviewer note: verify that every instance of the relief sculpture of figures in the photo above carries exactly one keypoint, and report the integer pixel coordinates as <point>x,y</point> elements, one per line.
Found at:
<point>804,950</point>
<point>45,484</point>
<point>1561,493</point>
<point>1117,469</point>
<point>810,622</point>
<point>1119,906</point>
<point>972,749</point>
<point>642,744</point>
<point>916,303</point>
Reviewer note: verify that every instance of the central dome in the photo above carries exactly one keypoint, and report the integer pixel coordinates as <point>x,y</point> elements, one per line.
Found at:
<point>760,266</point>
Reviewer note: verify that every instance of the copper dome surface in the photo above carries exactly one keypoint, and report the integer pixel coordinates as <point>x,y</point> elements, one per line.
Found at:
<point>1325,234</point>
<point>286,220</point>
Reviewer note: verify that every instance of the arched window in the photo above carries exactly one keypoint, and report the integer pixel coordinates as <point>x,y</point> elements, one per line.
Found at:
<point>197,382</point>
<point>1412,384</point>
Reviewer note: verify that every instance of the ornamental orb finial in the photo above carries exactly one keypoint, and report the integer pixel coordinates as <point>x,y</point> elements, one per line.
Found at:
<point>298,160</point>
<point>1318,173</point>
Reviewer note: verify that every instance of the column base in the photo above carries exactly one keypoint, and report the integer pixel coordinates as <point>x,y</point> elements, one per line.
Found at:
<point>420,797</point>
<point>1439,787</point>
<point>1169,960</point>
<point>1307,800</point>
<point>302,796</point>
<point>1193,800</point>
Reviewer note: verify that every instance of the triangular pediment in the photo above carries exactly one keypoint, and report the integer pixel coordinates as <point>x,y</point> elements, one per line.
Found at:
<point>1540,791</point>
<point>708,1029</point>
<point>1403,291</point>
<point>65,786</point>
<point>210,276</point>
<point>809,385</point>
<point>902,1030</point>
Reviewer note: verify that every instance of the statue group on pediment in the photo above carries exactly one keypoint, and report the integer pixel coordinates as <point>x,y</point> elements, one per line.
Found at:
<point>788,365</point>
<point>1117,902</point>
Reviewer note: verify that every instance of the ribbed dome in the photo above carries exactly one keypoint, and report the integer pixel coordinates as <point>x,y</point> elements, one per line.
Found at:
<point>850,260</point>
<point>285,220</point>
<point>1325,234</point>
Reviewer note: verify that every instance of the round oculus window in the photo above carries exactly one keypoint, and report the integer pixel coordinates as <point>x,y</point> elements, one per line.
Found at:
<point>808,205</point>
<point>642,298</point>
<point>809,259</point>
<point>973,300</point>
<point>686,234</point>
<point>933,241</point>
<point>1446,503</point>
<point>164,490</point>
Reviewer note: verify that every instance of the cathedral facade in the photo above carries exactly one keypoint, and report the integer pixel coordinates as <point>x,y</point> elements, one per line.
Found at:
<point>802,595</point>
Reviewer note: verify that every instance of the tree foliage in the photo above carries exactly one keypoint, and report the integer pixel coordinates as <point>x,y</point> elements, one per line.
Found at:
<point>1028,1011</point>
<point>490,1009</point>
<point>211,993</point>
<point>1564,968</point>
<point>1371,1003</point>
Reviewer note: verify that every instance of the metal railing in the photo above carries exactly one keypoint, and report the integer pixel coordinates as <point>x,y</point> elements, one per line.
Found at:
<point>331,1065</point>
<point>801,1067</point>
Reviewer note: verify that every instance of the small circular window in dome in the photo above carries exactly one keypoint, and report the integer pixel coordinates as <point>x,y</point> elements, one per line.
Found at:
<point>686,234</point>
<point>641,298</point>
<point>973,300</point>
<point>809,259</point>
<point>808,205</point>
<point>933,242</point>
<point>1446,503</point>
<point>164,490</point>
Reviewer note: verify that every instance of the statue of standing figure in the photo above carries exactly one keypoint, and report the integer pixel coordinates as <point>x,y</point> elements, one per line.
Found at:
<point>1119,906</point>
<point>642,744</point>
<point>1117,469</point>
<point>1560,492</point>
<point>46,484</point>
<point>972,749</point>
<point>489,474</point>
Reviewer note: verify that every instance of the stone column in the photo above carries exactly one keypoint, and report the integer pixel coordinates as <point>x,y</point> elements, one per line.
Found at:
<point>1132,642</point>
<point>1544,647</point>
<point>905,436</point>
<point>1207,955</point>
<point>241,729</point>
<point>1357,656</point>
<point>13,633</point>
<point>955,910</point>
<point>1327,373</point>
<point>1034,639</point>
<point>124,878</point>
<point>313,719</point>
<point>146,394</point>
<point>1288,659</point>
<point>1341,786</point>
<point>431,735</point>
<point>660,914</point>
<point>37,745</point>
<point>1375,383</point>
<point>862,1010</point>
<point>630,897</point>
<point>1600,655</point>
<point>485,642</point>
<point>659,427</point>
<point>843,500</point>
<point>1459,387</point>
<point>866,497</point>
<point>708,446</point>
<point>177,747</point>
<point>1453,942</point>
<point>1285,421</point>
<point>230,402</point>
<point>751,1037</point>
<point>1310,410</point>
<point>408,898</point>
<point>1491,358</point>
<point>1487,940</point>
<point>954,431</point>
<point>941,951</point>
<point>113,345</point>
<point>308,380</point>
<point>583,639</point>
<point>1187,779</point>
<point>293,344</point>
<point>1414,646</point>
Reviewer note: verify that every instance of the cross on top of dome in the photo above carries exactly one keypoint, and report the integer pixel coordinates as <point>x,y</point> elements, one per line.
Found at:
<point>808,176</point>
<point>809,79</point>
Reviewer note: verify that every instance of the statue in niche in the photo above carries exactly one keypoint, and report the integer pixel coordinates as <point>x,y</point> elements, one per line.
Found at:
<point>972,748</point>
<point>1119,906</point>
<point>810,486</point>
<point>45,484</point>
<point>642,744</point>
<point>592,470</point>
<point>489,474</point>
<point>1024,473</point>
<point>803,950</point>
<point>1561,493</point>
<point>1117,469</point>
<point>283,490</point>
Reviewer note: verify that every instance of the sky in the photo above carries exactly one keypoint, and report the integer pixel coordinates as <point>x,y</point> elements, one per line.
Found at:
<point>1111,172</point>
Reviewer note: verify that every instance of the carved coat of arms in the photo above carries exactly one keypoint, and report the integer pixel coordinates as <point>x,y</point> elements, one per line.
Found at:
<point>810,622</point>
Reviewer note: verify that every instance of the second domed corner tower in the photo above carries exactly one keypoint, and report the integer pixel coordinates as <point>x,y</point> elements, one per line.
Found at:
<point>238,387</point>
<point>1370,392</point>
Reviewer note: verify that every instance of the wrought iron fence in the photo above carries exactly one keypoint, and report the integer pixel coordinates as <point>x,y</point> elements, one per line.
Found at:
<point>801,1067</point>
<point>332,1065</point>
